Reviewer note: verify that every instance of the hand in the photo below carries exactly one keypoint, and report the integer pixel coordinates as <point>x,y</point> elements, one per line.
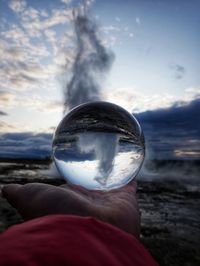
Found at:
<point>117,207</point>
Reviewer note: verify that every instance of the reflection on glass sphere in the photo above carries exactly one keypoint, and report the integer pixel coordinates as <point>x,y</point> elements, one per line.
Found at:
<point>98,145</point>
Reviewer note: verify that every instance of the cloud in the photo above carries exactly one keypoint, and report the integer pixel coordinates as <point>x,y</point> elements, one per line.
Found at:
<point>15,39</point>
<point>31,14</point>
<point>179,71</point>
<point>173,132</point>
<point>59,16</point>
<point>3,113</point>
<point>34,23</point>
<point>51,35</point>
<point>138,21</point>
<point>17,5</point>
<point>42,105</point>
<point>66,1</point>
<point>113,34</point>
<point>16,35</point>
<point>16,127</point>
<point>30,42</point>
<point>24,47</point>
<point>170,133</point>
<point>44,13</point>
<point>22,76</point>
<point>6,98</point>
<point>136,102</point>
<point>88,3</point>
<point>6,127</point>
<point>20,64</point>
<point>117,19</point>
<point>25,145</point>
<point>110,28</point>
<point>35,53</point>
<point>186,152</point>
<point>51,106</point>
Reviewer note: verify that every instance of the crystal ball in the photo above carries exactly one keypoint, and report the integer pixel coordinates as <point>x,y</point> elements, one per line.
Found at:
<point>99,146</point>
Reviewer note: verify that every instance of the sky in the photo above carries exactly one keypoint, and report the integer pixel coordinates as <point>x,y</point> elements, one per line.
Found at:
<point>155,74</point>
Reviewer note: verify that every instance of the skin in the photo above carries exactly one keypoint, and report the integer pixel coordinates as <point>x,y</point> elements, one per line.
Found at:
<point>117,207</point>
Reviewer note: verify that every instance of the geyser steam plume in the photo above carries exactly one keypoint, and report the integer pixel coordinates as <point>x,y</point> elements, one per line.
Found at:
<point>92,61</point>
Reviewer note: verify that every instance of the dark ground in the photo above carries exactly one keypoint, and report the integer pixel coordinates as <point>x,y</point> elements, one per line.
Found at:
<point>169,204</point>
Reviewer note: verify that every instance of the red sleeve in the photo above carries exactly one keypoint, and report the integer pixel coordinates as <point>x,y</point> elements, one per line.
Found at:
<point>70,240</point>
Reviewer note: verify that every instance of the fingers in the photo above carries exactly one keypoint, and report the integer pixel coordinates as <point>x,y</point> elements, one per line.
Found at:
<point>36,199</point>
<point>11,193</point>
<point>24,197</point>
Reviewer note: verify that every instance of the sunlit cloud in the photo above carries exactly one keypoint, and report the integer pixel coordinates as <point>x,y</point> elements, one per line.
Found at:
<point>6,98</point>
<point>66,1</point>
<point>9,101</point>
<point>51,37</point>
<point>35,24</point>
<point>32,14</point>
<point>187,153</point>
<point>22,76</point>
<point>7,127</point>
<point>136,102</point>
<point>17,5</point>
<point>42,105</point>
<point>16,35</point>
<point>25,47</point>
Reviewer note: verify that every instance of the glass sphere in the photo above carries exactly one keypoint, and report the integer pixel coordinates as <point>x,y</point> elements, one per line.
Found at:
<point>98,145</point>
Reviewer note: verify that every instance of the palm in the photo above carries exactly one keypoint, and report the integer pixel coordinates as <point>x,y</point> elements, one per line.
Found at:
<point>118,207</point>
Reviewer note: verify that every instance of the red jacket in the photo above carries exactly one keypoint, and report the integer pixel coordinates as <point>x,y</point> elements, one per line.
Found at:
<point>70,240</point>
